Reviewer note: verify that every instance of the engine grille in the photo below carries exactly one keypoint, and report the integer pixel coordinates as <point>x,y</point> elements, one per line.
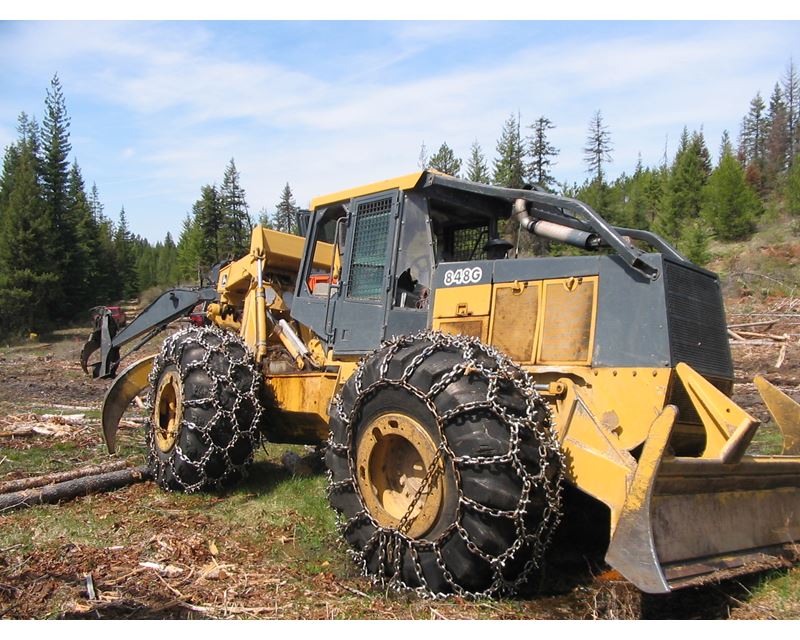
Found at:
<point>696,319</point>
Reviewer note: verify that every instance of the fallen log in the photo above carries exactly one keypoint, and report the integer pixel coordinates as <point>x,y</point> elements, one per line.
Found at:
<point>73,488</point>
<point>61,476</point>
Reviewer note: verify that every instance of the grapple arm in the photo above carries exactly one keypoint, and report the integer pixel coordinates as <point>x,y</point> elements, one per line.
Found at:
<point>167,307</point>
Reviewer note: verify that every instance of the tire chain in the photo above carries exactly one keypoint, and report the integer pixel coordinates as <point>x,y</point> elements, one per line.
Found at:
<point>171,351</point>
<point>391,541</point>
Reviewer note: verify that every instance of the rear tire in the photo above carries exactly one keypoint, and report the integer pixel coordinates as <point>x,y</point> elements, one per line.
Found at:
<point>204,410</point>
<point>496,492</point>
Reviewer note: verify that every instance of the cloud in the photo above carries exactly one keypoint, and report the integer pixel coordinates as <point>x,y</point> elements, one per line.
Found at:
<point>352,102</point>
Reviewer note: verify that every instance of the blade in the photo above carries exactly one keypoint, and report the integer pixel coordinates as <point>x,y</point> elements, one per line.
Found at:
<point>128,384</point>
<point>785,412</point>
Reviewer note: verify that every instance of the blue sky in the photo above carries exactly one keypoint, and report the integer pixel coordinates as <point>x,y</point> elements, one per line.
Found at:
<point>159,108</point>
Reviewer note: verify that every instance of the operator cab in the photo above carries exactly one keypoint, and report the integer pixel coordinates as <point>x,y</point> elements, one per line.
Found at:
<point>383,247</point>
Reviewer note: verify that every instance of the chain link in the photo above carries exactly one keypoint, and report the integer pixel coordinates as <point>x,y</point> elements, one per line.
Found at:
<point>534,419</point>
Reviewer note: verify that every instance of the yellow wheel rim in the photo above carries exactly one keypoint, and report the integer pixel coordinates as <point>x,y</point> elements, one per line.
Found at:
<point>393,455</point>
<point>168,411</point>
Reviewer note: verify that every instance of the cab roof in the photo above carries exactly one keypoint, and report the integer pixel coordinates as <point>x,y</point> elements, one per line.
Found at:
<point>408,181</point>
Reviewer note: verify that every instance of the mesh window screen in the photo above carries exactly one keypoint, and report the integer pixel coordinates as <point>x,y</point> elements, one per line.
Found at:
<point>468,243</point>
<point>369,250</point>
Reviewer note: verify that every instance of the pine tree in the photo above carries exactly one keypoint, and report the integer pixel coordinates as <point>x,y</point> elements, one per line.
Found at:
<point>753,141</point>
<point>126,257</point>
<point>683,198</point>
<point>509,166</point>
<point>777,143</point>
<point>422,160</point>
<point>597,151</point>
<point>264,219</point>
<point>27,279</point>
<point>477,171</point>
<point>87,240</point>
<point>542,154</point>
<point>791,93</point>
<point>695,243</point>
<point>635,204</point>
<point>55,176</point>
<point>285,218</point>
<point>208,217</point>
<point>236,222</point>
<point>445,160</point>
<point>730,205</point>
<point>793,188</point>
<point>189,250</point>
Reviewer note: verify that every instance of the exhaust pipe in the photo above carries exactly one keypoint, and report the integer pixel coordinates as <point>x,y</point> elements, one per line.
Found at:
<point>552,230</point>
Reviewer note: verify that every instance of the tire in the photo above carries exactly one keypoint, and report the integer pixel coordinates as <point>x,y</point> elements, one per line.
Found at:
<point>495,489</point>
<point>204,410</point>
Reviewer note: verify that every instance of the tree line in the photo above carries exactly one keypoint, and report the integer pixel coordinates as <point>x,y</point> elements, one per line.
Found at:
<point>685,199</point>
<point>60,254</point>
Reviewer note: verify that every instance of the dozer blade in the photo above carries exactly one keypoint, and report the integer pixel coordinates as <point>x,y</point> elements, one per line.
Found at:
<point>688,521</point>
<point>128,384</point>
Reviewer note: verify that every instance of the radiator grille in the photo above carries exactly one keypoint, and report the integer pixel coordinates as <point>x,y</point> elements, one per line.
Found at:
<point>696,318</point>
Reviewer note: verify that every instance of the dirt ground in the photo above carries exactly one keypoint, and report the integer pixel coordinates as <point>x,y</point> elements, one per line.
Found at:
<point>269,548</point>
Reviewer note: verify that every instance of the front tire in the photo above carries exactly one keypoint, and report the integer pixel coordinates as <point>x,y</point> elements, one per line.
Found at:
<point>204,410</point>
<point>444,467</point>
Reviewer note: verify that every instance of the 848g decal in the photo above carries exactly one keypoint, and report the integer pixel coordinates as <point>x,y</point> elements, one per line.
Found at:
<point>467,275</point>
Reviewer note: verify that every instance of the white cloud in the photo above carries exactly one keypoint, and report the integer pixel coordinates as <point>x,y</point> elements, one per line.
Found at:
<point>189,99</point>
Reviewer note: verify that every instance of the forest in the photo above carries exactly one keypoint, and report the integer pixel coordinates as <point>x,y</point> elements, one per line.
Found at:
<point>61,253</point>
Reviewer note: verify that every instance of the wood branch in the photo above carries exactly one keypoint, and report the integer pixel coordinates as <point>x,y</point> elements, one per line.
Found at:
<point>735,336</point>
<point>752,342</point>
<point>52,478</point>
<point>73,488</point>
<point>756,334</point>
<point>758,323</point>
<point>781,357</point>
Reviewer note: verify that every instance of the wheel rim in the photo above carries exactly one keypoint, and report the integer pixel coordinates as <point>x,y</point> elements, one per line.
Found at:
<point>393,455</point>
<point>168,411</point>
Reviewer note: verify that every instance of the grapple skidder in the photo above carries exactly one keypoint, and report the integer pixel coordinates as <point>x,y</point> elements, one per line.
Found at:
<point>461,391</point>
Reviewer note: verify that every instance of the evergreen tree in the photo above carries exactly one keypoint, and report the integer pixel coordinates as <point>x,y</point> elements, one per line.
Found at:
<point>683,198</point>
<point>189,250</point>
<point>477,171</point>
<point>542,154</point>
<point>236,222</point>
<point>730,205</point>
<point>753,140</point>
<point>597,151</point>
<point>777,143</point>
<point>285,218</point>
<point>695,243</point>
<point>126,258</point>
<point>27,280</point>
<point>209,219</point>
<point>793,188</point>
<point>264,219</point>
<point>635,202</point>
<point>445,160</point>
<point>422,160</point>
<point>791,94</point>
<point>87,241</point>
<point>55,175</point>
<point>509,166</point>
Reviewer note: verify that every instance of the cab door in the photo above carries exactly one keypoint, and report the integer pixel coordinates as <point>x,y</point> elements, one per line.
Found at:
<point>359,315</point>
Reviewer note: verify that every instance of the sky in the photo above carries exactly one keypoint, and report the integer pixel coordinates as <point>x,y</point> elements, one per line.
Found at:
<point>158,109</point>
